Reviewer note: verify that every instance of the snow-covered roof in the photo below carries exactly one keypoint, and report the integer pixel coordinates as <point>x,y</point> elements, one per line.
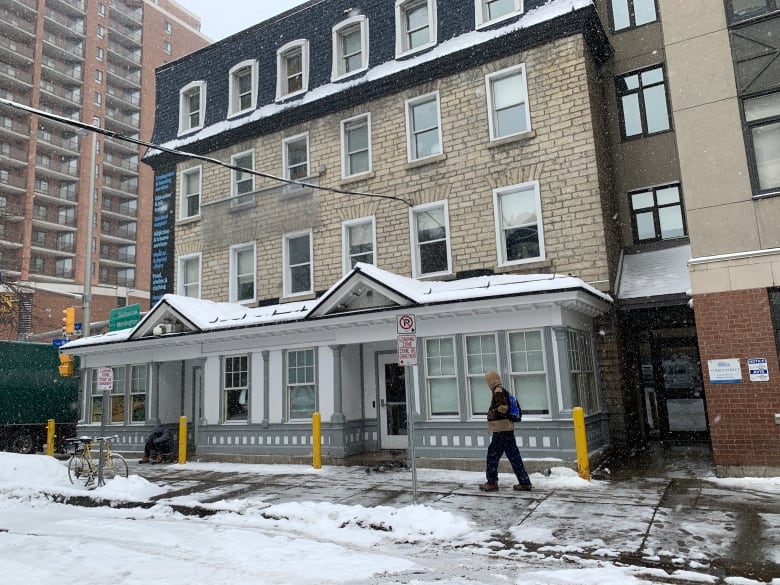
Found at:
<point>364,288</point>
<point>655,274</point>
<point>549,11</point>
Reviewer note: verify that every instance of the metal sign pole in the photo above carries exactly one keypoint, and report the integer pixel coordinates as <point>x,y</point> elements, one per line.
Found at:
<point>410,427</point>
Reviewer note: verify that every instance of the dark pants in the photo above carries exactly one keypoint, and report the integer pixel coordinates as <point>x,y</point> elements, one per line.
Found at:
<point>500,443</point>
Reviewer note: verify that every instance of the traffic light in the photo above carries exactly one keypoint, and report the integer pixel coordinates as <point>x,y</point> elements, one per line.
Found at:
<point>66,365</point>
<point>69,321</point>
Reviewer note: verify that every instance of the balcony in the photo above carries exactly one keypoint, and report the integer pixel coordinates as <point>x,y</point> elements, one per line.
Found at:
<point>120,77</point>
<point>60,94</point>
<point>10,75</point>
<point>116,117</point>
<point>73,27</point>
<point>130,35</point>
<point>128,164</point>
<point>73,7</point>
<point>14,155</point>
<point>121,187</point>
<point>126,208</point>
<point>53,141</point>
<point>127,97</point>
<point>12,211</point>
<point>123,13</point>
<point>15,52</point>
<point>127,56</point>
<point>70,47</point>
<point>13,182</point>
<point>66,71</point>
<point>15,26</point>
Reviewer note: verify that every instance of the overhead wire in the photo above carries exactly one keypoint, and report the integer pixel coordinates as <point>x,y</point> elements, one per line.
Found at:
<point>177,152</point>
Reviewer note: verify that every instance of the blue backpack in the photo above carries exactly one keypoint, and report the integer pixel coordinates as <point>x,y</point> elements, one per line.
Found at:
<point>515,412</point>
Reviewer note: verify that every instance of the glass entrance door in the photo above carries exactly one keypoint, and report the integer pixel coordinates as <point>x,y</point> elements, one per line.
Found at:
<point>682,410</point>
<point>392,403</point>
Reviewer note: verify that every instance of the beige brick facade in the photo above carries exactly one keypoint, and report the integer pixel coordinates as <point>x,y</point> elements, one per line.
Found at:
<point>560,153</point>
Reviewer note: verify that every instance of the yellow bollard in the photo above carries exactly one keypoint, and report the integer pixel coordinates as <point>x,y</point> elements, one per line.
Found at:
<point>581,442</point>
<point>50,437</point>
<point>182,440</point>
<point>316,440</point>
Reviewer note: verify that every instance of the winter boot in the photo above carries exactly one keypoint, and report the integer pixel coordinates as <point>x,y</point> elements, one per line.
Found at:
<point>522,487</point>
<point>144,460</point>
<point>489,487</point>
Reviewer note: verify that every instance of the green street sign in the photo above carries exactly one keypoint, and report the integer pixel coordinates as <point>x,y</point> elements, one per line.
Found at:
<point>124,317</point>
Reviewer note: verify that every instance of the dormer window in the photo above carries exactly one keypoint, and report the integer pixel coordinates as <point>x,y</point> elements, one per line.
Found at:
<point>292,66</point>
<point>350,46</point>
<point>415,25</point>
<point>492,11</point>
<point>192,106</point>
<point>243,88</point>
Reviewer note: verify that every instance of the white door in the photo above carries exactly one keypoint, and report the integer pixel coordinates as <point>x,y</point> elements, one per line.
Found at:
<point>392,403</point>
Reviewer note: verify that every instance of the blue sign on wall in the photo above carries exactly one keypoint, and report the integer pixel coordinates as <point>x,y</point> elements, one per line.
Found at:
<point>163,218</point>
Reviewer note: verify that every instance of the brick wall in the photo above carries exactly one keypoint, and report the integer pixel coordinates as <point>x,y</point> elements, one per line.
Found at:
<point>738,324</point>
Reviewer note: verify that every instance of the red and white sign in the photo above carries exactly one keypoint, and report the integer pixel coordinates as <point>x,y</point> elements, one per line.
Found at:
<point>406,324</point>
<point>407,350</point>
<point>105,380</point>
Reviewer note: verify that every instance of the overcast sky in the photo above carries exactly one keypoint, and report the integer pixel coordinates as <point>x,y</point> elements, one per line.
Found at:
<point>222,18</point>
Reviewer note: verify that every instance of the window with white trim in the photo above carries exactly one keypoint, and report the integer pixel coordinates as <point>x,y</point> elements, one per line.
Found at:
<point>527,371</point>
<point>356,145</point>
<point>235,388</point>
<point>481,357</point>
<point>415,25</point>
<point>441,380</point>
<point>359,242</point>
<point>298,265</point>
<point>350,46</point>
<point>507,94</point>
<point>301,369</point>
<point>242,272</point>
<point>583,375</point>
<point>188,283</point>
<point>192,106</point>
<point>243,87</point>
<point>295,155</point>
<point>190,192</point>
<point>292,67</point>
<point>430,239</point>
<point>120,396</point>
<point>491,11</point>
<point>423,127</point>
<point>138,383</point>
<point>518,217</point>
<point>243,183</point>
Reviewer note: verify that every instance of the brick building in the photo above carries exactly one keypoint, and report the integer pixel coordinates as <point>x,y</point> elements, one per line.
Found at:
<point>494,144</point>
<point>91,61</point>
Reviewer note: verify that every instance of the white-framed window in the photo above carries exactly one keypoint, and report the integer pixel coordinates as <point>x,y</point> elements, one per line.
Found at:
<point>528,371</point>
<point>507,95</point>
<point>301,383</point>
<point>441,380</point>
<point>98,98</point>
<point>101,31</point>
<point>358,238</point>
<point>167,47</point>
<point>350,46</point>
<point>415,25</point>
<point>129,388</point>
<point>138,384</point>
<point>235,388</point>
<point>481,357</point>
<point>190,192</point>
<point>518,217</point>
<point>584,392</point>
<point>98,76</point>
<point>492,11</point>
<point>101,9</point>
<point>243,182</point>
<point>356,145</point>
<point>188,283</point>
<point>430,229</point>
<point>243,87</point>
<point>423,127</point>
<point>99,53</point>
<point>242,270</point>
<point>292,69</point>
<point>632,13</point>
<point>192,106</point>
<point>295,157</point>
<point>298,264</point>
<point>168,27</point>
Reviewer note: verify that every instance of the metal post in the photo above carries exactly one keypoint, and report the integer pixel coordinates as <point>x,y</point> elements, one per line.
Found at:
<point>87,301</point>
<point>316,440</point>
<point>410,427</point>
<point>581,442</point>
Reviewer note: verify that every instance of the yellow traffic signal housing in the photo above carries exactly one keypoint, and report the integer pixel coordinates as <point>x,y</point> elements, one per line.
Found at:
<point>69,321</point>
<point>66,365</point>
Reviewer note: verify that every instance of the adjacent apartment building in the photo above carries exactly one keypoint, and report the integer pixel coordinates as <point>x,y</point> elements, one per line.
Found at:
<point>91,61</point>
<point>577,194</point>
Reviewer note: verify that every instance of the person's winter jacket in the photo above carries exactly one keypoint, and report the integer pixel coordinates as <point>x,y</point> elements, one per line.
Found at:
<point>498,411</point>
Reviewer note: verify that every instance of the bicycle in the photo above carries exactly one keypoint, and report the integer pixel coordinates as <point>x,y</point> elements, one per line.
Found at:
<point>83,469</point>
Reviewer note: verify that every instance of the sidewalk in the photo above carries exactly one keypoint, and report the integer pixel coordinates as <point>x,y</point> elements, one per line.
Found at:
<point>673,522</point>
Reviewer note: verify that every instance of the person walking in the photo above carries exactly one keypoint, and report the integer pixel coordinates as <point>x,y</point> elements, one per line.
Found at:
<point>503,438</point>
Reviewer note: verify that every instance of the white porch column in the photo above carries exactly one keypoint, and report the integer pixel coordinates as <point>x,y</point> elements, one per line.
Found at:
<point>338,413</point>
